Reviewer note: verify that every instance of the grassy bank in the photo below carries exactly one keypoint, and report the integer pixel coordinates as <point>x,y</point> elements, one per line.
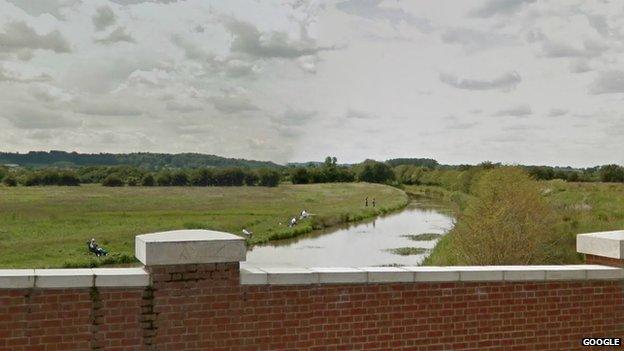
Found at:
<point>49,226</point>
<point>579,208</point>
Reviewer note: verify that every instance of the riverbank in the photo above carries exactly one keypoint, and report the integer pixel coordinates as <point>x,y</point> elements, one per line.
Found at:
<point>579,208</point>
<point>43,227</point>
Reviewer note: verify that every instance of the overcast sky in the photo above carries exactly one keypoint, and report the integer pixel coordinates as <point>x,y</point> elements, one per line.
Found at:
<point>532,82</point>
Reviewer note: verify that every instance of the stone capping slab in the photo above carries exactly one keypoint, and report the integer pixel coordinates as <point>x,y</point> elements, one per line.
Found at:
<point>604,244</point>
<point>260,275</point>
<point>189,247</point>
<point>73,278</point>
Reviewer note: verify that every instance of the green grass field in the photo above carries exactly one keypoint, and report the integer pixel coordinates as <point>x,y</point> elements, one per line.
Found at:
<point>49,226</point>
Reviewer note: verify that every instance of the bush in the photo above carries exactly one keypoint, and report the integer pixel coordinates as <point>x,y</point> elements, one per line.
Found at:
<point>9,180</point>
<point>179,178</point>
<point>268,177</point>
<point>506,223</point>
<point>163,178</point>
<point>112,180</point>
<point>374,172</point>
<point>611,173</point>
<point>202,177</point>
<point>68,179</point>
<point>251,178</point>
<point>148,180</point>
<point>299,175</point>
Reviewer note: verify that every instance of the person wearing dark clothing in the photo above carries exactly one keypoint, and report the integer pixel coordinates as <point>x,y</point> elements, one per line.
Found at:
<point>373,202</point>
<point>96,249</point>
<point>366,202</point>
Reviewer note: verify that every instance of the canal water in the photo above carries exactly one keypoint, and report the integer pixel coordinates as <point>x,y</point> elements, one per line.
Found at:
<point>368,243</point>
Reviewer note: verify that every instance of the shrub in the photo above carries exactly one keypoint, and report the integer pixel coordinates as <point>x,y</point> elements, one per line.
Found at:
<point>268,177</point>
<point>611,173</point>
<point>148,180</point>
<point>163,178</point>
<point>251,178</point>
<point>68,179</point>
<point>299,175</point>
<point>507,222</point>
<point>112,180</point>
<point>202,177</point>
<point>374,172</point>
<point>179,178</point>
<point>9,180</point>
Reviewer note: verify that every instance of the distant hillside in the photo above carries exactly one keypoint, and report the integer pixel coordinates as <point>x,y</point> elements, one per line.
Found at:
<point>141,159</point>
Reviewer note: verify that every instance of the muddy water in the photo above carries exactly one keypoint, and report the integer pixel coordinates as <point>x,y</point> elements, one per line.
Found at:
<point>367,243</point>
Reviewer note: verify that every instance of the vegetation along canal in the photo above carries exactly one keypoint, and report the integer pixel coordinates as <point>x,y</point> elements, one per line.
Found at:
<point>400,238</point>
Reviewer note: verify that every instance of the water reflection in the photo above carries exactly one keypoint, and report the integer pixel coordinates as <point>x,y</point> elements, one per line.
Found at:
<point>362,244</point>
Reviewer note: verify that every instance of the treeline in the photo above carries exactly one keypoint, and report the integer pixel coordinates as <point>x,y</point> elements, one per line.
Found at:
<point>152,161</point>
<point>133,176</point>
<point>329,172</point>
<point>199,177</point>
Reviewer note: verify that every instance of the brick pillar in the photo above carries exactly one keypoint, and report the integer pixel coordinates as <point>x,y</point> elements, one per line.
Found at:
<point>195,286</point>
<point>604,248</point>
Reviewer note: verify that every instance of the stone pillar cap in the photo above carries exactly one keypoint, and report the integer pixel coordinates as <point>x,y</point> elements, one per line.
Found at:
<point>603,244</point>
<point>189,247</point>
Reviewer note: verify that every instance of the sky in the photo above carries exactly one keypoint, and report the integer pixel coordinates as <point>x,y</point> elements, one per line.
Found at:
<point>512,81</point>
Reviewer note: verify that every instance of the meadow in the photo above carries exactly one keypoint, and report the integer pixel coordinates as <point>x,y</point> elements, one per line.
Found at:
<point>49,226</point>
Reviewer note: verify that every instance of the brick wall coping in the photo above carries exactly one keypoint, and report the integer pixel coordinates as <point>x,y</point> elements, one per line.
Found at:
<point>73,278</point>
<point>274,275</point>
<point>189,247</point>
<point>604,244</point>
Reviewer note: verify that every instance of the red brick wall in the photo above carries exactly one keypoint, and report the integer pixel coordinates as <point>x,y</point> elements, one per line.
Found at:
<point>203,307</point>
<point>607,261</point>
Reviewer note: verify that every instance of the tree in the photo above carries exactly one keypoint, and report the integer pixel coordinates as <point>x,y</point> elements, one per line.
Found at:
<point>202,177</point>
<point>148,180</point>
<point>179,178</point>
<point>268,177</point>
<point>112,180</point>
<point>9,180</point>
<point>299,175</point>
<point>374,172</point>
<point>505,223</point>
<point>612,174</point>
<point>251,178</point>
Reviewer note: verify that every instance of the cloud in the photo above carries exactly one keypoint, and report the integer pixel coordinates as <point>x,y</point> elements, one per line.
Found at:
<point>134,2</point>
<point>106,108</point>
<point>30,118</point>
<point>229,103</point>
<point>505,82</point>
<point>372,10</point>
<point>117,36</point>
<point>499,7</point>
<point>472,39</point>
<point>247,39</point>
<point>556,112</point>
<point>294,117</point>
<point>9,76</point>
<point>103,18</point>
<point>580,66</point>
<point>609,82</point>
<point>182,108</point>
<point>191,51</point>
<point>516,111</point>
<point>38,7</point>
<point>600,24</point>
<point>356,114</point>
<point>19,38</point>
<point>557,49</point>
